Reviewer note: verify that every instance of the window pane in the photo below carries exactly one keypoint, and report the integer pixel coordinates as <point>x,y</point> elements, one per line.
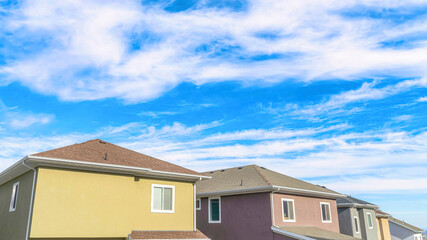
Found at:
<point>291,210</point>
<point>197,203</point>
<point>369,220</point>
<point>214,209</point>
<point>328,212</point>
<point>356,225</point>
<point>325,212</point>
<point>167,205</point>
<point>14,197</point>
<point>285,210</point>
<point>157,198</point>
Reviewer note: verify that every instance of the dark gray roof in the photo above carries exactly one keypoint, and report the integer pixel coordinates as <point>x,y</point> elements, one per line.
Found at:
<point>406,225</point>
<point>317,233</point>
<point>252,177</point>
<point>349,200</point>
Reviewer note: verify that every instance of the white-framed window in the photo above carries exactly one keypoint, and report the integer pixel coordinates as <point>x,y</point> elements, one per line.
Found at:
<point>369,216</point>
<point>198,204</point>
<point>14,197</point>
<point>356,224</point>
<point>215,210</point>
<point>288,210</point>
<point>325,208</point>
<point>162,198</point>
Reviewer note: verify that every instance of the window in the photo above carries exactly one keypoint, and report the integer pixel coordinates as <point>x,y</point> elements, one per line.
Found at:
<point>14,197</point>
<point>288,210</point>
<point>326,212</point>
<point>198,204</point>
<point>356,224</point>
<point>369,216</point>
<point>214,210</point>
<point>162,198</point>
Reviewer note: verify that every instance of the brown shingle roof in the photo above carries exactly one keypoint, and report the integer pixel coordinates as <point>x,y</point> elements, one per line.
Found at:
<point>96,150</point>
<point>249,177</point>
<point>135,235</point>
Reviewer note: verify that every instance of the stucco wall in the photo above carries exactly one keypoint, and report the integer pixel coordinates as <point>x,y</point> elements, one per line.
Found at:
<point>400,233</point>
<point>368,233</point>
<point>77,204</point>
<point>383,228</point>
<point>347,225</point>
<point>307,212</point>
<point>242,217</point>
<point>13,225</point>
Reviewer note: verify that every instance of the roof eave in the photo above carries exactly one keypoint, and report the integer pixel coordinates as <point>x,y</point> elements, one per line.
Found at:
<point>290,234</point>
<point>357,205</point>
<point>407,227</point>
<point>279,189</point>
<point>37,161</point>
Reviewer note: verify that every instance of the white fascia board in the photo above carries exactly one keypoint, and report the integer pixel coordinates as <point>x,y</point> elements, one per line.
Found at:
<point>357,205</point>
<point>279,189</point>
<point>290,234</point>
<point>112,167</point>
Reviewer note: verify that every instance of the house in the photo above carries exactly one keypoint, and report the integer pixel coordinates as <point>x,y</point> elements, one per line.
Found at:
<point>255,203</point>
<point>357,218</point>
<point>400,230</point>
<point>383,226</point>
<point>97,190</point>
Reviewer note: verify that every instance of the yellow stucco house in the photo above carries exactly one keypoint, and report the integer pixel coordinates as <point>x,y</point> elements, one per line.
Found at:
<point>97,190</point>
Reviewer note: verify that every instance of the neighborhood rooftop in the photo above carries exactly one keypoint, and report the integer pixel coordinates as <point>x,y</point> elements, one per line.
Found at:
<point>311,233</point>
<point>406,225</point>
<point>99,151</point>
<point>351,201</point>
<point>253,177</point>
<point>164,235</point>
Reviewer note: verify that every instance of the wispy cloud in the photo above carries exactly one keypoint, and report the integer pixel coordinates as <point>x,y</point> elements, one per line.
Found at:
<point>136,52</point>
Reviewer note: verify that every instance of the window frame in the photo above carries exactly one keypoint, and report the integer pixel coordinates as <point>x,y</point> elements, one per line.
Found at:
<point>293,205</point>
<point>357,224</point>
<point>330,212</point>
<point>152,198</point>
<point>209,209</point>
<point>369,216</point>
<point>14,197</point>
<point>200,204</point>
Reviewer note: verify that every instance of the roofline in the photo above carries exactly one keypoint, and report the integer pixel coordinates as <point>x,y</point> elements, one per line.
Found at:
<point>385,215</point>
<point>271,189</point>
<point>407,227</point>
<point>103,167</point>
<point>290,234</point>
<point>357,205</point>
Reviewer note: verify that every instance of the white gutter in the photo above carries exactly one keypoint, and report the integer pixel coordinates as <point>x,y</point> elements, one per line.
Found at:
<point>357,205</point>
<point>273,219</point>
<point>194,208</point>
<point>30,212</point>
<point>274,188</point>
<point>112,167</point>
<point>290,234</point>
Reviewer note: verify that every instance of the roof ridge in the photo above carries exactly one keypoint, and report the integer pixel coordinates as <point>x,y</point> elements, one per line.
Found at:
<point>261,175</point>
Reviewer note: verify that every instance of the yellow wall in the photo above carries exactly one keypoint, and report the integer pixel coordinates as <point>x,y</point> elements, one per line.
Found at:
<point>82,204</point>
<point>383,229</point>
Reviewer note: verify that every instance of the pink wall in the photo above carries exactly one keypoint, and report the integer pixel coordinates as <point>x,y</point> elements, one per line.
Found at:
<point>307,212</point>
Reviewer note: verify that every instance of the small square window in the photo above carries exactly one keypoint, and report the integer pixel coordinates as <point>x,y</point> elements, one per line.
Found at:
<point>288,210</point>
<point>14,197</point>
<point>198,204</point>
<point>162,198</point>
<point>326,212</point>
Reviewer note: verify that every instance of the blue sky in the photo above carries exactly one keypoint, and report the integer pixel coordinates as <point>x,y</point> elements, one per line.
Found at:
<point>333,92</point>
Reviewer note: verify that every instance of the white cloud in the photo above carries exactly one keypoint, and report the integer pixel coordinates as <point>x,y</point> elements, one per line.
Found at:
<point>422,99</point>
<point>88,57</point>
<point>20,120</point>
<point>336,103</point>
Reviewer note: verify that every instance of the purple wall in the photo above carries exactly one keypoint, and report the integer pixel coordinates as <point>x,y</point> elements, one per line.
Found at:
<point>245,216</point>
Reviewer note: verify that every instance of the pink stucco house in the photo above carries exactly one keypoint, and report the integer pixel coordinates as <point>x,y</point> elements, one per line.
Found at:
<point>255,203</point>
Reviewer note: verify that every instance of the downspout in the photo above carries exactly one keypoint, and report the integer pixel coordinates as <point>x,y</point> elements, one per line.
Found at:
<point>273,220</point>
<point>27,236</point>
<point>195,208</point>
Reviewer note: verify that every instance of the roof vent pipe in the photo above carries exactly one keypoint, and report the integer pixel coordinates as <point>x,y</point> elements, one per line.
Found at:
<point>106,157</point>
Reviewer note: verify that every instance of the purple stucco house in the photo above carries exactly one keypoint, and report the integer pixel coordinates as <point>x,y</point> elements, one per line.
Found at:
<point>254,203</point>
